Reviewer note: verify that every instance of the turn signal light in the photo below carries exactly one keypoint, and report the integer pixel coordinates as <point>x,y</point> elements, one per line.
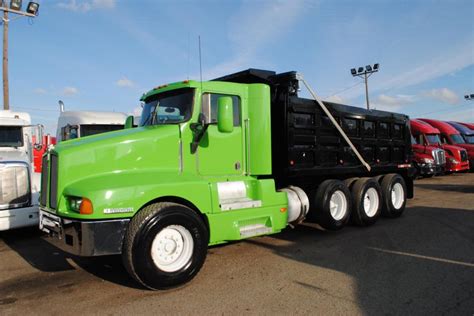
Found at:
<point>86,207</point>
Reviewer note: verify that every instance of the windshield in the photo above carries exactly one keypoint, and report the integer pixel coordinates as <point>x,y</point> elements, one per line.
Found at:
<point>11,136</point>
<point>457,139</point>
<point>433,139</point>
<point>469,139</point>
<point>87,130</point>
<point>168,107</point>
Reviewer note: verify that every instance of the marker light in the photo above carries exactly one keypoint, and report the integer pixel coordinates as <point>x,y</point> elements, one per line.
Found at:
<point>86,207</point>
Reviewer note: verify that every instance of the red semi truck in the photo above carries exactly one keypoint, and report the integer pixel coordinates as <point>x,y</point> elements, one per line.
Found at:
<point>450,135</point>
<point>429,160</point>
<point>427,136</point>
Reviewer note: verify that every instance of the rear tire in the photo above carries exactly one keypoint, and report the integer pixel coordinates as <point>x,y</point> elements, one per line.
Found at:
<point>332,205</point>
<point>394,192</point>
<point>367,197</point>
<point>165,246</point>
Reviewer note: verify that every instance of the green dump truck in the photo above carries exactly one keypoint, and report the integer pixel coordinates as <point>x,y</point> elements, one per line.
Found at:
<point>224,160</point>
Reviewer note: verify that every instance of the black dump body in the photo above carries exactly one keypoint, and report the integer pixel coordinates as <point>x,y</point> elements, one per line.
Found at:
<point>306,147</point>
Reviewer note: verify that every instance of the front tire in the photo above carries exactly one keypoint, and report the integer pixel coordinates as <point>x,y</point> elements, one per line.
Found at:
<point>165,246</point>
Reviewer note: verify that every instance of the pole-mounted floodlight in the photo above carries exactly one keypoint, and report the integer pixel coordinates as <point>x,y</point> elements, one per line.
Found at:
<point>15,5</point>
<point>32,8</point>
<point>15,8</point>
<point>369,70</point>
<point>469,97</point>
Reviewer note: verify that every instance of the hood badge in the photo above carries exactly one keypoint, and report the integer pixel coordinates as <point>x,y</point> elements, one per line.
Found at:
<point>118,210</point>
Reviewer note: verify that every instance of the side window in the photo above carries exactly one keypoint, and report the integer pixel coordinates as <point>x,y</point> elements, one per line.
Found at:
<point>420,139</point>
<point>69,132</point>
<point>350,126</point>
<point>209,107</point>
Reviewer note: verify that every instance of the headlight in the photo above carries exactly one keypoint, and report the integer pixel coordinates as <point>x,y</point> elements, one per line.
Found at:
<point>453,161</point>
<point>80,205</point>
<point>427,160</point>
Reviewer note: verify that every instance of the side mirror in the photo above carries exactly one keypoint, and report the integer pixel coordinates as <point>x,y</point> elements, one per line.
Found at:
<point>129,122</point>
<point>225,115</point>
<point>199,129</point>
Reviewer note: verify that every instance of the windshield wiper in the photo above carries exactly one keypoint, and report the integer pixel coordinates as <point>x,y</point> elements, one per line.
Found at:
<point>152,115</point>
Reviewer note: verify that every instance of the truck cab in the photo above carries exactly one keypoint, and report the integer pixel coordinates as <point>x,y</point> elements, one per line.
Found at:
<point>19,184</point>
<point>466,132</point>
<point>76,124</point>
<point>428,158</point>
<point>451,136</point>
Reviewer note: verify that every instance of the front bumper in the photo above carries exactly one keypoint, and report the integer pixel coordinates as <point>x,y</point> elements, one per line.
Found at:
<point>18,217</point>
<point>463,166</point>
<point>428,169</point>
<point>84,238</point>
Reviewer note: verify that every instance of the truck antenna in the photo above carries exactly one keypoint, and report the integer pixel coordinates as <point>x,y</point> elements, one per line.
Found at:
<point>61,106</point>
<point>200,60</point>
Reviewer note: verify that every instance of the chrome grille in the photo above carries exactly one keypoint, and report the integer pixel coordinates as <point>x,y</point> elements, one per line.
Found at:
<point>53,182</point>
<point>463,155</point>
<point>14,185</point>
<point>439,156</point>
<point>44,180</point>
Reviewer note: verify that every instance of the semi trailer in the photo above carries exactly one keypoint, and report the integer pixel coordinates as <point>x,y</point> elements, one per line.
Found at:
<point>218,161</point>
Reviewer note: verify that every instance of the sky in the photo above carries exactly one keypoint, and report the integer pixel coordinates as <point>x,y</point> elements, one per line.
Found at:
<point>103,55</point>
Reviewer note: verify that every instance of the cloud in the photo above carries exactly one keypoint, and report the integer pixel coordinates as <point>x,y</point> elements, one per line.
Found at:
<point>445,64</point>
<point>255,26</point>
<point>125,82</point>
<point>444,95</point>
<point>466,115</point>
<point>137,111</point>
<point>40,91</point>
<point>85,6</point>
<point>391,103</point>
<point>70,91</point>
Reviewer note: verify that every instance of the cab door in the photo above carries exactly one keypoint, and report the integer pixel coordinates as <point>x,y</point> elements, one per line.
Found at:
<point>220,153</point>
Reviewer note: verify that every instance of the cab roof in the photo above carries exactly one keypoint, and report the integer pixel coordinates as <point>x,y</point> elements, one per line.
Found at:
<point>443,127</point>
<point>423,127</point>
<point>462,128</point>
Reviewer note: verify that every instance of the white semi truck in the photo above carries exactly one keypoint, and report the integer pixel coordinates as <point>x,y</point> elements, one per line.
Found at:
<point>19,184</point>
<point>75,124</point>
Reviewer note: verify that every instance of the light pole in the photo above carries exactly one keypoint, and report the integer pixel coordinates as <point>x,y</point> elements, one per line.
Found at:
<point>469,97</point>
<point>15,8</point>
<point>366,73</point>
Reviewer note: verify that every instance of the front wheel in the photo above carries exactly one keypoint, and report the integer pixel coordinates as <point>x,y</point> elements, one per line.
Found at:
<point>165,245</point>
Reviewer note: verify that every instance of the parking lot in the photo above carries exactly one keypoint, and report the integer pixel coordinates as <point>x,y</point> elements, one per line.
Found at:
<point>422,262</point>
